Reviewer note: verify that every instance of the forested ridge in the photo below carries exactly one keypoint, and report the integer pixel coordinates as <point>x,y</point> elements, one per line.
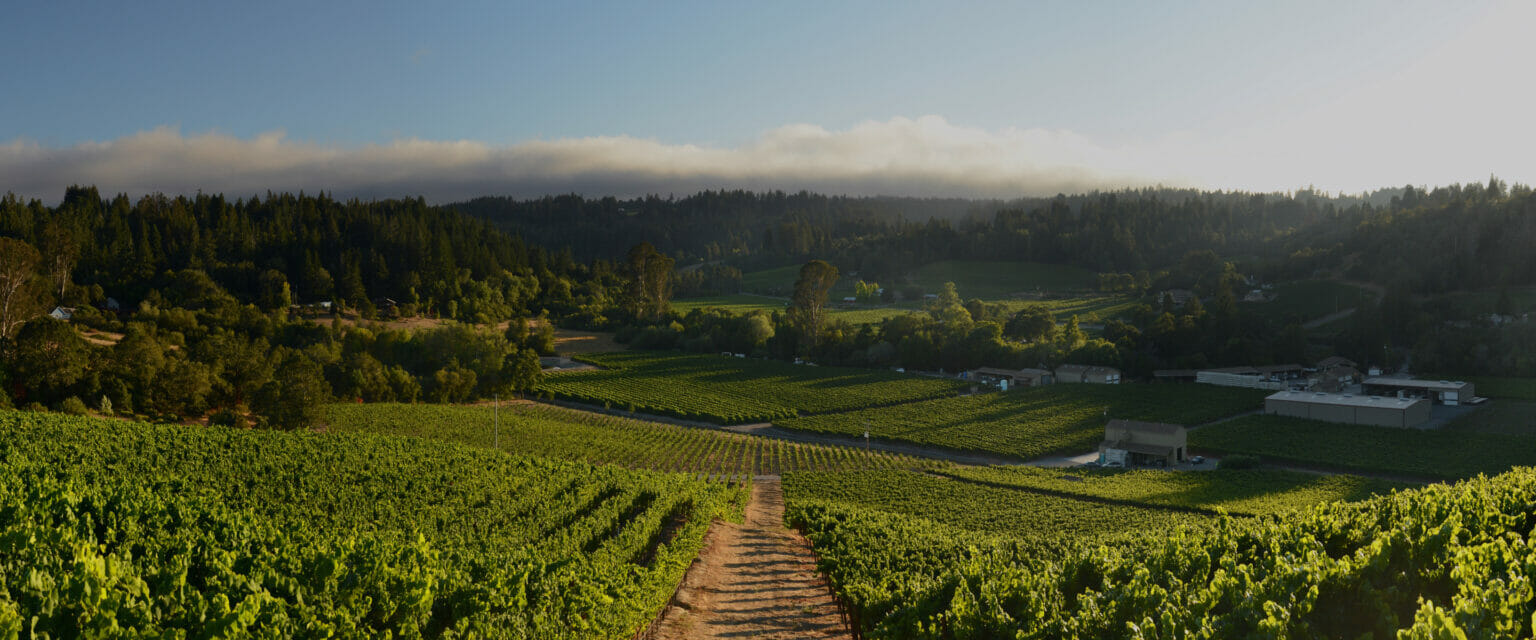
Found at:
<point>1472,234</point>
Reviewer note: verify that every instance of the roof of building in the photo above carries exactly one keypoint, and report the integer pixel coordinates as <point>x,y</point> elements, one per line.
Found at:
<point>1134,426</point>
<point>1013,373</point>
<point>1240,371</point>
<point>1333,361</point>
<point>1344,399</point>
<point>1278,368</point>
<point>1138,447</point>
<point>1086,368</point>
<point>1409,383</point>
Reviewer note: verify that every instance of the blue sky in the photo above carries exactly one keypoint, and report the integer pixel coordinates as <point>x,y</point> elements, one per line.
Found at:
<point>1037,96</point>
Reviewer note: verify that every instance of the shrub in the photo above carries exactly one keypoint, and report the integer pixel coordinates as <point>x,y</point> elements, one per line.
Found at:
<point>73,406</point>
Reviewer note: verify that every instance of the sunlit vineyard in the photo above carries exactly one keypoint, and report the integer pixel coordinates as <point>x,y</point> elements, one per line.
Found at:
<point>1445,454</point>
<point>1238,492</point>
<point>979,508</point>
<point>1438,562</point>
<point>1027,423</point>
<point>528,428</point>
<point>119,529</point>
<point>727,390</point>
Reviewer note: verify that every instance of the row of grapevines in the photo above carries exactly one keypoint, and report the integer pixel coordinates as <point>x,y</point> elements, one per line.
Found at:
<point>978,507</point>
<point>735,390</point>
<point>1238,492</point>
<point>543,430</point>
<point>162,529</point>
<point>1443,561</point>
<point>1408,452</point>
<point>1028,423</point>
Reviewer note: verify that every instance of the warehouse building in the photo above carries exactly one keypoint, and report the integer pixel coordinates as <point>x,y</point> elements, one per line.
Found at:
<point>1069,373</point>
<point>1011,378</point>
<point>1349,409</point>
<point>1244,377</point>
<point>1446,392</point>
<point>1131,443</point>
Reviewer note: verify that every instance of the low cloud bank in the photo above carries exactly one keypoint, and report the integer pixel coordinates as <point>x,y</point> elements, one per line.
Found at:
<point>925,156</point>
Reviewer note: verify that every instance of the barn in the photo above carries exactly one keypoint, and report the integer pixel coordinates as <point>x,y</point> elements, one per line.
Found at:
<point>1134,443</point>
<point>1349,409</point>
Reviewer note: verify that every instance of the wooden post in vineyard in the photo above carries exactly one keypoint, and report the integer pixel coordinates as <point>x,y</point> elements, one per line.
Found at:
<point>496,421</point>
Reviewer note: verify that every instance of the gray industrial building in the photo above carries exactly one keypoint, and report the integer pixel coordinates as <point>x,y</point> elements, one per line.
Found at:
<point>1446,392</point>
<point>1349,409</point>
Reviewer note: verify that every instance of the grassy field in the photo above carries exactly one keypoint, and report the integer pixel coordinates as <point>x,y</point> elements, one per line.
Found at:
<point>1492,387</point>
<point>745,303</point>
<point>740,303</point>
<point>1508,417</point>
<point>1239,492</point>
<point>1306,300</point>
<point>974,278</point>
<point>1443,454</point>
<point>780,281</point>
<point>734,390</point>
<point>1028,423</point>
<point>528,428</point>
<point>998,280</point>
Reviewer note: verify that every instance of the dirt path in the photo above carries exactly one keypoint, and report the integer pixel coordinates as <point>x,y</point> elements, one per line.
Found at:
<point>753,580</point>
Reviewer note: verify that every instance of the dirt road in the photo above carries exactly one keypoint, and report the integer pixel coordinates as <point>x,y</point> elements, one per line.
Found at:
<point>757,579</point>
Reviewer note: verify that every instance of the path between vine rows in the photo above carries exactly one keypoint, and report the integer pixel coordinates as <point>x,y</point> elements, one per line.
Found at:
<point>757,579</point>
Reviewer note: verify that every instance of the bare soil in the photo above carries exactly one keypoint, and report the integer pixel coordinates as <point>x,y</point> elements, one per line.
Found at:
<point>569,341</point>
<point>757,579</point>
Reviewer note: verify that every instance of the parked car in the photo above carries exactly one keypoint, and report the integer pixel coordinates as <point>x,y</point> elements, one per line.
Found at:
<point>1197,460</point>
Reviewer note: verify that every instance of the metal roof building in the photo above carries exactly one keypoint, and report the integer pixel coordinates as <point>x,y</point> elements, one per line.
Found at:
<point>1445,392</point>
<point>1349,409</point>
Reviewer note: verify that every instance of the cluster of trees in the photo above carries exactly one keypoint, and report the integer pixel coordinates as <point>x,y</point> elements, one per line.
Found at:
<point>380,257</point>
<point>180,364</point>
<point>239,362</point>
<point>181,308</point>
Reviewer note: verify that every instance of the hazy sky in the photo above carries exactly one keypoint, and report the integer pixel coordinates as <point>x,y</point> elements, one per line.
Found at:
<point>998,99</point>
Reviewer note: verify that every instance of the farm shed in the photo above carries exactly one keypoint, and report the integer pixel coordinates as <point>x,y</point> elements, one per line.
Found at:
<point>1243,377</point>
<point>1136,443</point>
<point>1444,392</point>
<point>1014,377</point>
<point>1349,409</point>
<point>1087,373</point>
<point>1337,361</point>
<point>1281,372</point>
